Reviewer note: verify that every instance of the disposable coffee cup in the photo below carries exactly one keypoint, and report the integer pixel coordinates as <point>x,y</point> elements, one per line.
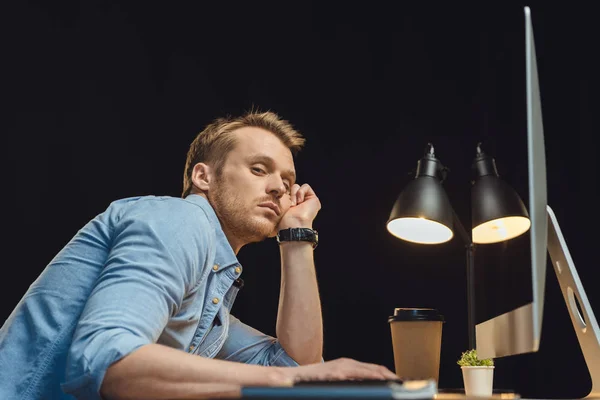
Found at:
<point>417,342</point>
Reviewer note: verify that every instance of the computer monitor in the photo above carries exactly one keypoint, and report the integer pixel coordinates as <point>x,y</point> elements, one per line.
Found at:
<point>518,330</point>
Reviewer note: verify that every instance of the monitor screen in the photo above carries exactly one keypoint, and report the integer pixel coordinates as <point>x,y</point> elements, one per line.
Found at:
<point>510,276</point>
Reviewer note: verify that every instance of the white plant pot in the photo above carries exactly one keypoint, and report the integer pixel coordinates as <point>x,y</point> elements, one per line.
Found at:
<point>479,381</point>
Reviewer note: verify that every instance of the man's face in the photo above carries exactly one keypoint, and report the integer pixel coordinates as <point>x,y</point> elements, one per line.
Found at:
<point>252,192</point>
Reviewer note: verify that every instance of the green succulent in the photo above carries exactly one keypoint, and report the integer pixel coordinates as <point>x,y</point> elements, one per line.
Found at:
<point>469,359</point>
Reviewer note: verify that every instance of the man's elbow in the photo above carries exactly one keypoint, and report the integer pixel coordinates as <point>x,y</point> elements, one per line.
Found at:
<point>316,360</point>
<point>304,358</point>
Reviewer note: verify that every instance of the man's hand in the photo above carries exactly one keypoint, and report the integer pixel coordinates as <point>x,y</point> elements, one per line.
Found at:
<point>304,208</point>
<point>339,369</point>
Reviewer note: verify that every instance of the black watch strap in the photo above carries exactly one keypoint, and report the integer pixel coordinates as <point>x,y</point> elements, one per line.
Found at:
<point>298,235</point>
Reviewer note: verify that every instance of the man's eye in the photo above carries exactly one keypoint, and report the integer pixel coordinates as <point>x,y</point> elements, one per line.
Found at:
<point>258,170</point>
<point>287,188</point>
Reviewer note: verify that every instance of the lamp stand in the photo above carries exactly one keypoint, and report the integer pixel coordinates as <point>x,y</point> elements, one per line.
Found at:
<point>471,293</point>
<point>470,249</point>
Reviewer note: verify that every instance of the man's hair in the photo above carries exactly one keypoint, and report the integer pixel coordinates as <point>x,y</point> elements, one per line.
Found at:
<point>213,144</point>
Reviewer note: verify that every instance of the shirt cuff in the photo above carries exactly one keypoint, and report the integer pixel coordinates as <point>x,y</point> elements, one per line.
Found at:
<point>84,378</point>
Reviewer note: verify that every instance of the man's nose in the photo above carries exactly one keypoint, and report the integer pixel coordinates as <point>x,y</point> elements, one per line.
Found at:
<point>277,187</point>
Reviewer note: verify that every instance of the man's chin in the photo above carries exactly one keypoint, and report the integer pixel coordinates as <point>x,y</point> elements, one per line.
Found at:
<point>266,229</point>
<point>270,226</point>
<point>274,230</point>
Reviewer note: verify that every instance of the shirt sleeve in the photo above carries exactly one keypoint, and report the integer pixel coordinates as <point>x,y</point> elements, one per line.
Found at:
<point>248,345</point>
<point>157,254</point>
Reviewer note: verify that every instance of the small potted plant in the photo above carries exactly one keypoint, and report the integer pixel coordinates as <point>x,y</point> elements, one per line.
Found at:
<point>478,375</point>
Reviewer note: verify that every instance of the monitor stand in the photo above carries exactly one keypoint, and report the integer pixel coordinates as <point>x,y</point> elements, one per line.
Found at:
<point>586,327</point>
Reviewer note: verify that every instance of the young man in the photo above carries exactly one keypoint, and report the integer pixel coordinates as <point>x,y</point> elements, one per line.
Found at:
<point>137,304</point>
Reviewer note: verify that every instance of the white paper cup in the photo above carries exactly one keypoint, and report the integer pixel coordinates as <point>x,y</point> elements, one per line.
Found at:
<point>479,381</point>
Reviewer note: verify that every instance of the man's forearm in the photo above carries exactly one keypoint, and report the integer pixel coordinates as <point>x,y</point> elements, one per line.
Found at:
<point>159,372</point>
<point>299,320</point>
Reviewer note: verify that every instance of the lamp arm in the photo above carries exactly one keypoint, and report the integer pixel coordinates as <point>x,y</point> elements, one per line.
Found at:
<point>462,232</point>
<point>470,248</point>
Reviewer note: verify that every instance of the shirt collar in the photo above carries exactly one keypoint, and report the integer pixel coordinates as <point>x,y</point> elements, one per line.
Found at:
<point>224,256</point>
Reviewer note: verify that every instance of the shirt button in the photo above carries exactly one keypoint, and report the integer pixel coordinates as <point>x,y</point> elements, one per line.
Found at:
<point>238,270</point>
<point>215,267</point>
<point>215,300</point>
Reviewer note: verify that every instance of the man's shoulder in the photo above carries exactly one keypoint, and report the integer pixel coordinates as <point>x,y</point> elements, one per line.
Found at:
<point>156,201</point>
<point>164,207</point>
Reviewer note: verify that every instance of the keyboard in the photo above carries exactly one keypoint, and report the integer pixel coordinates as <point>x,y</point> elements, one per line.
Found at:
<point>346,389</point>
<point>353,382</point>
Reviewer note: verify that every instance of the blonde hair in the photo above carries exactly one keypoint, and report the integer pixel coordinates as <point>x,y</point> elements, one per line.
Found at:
<point>212,145</point>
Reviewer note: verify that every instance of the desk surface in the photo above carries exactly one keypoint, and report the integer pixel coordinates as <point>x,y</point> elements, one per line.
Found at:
<point>354,391</point>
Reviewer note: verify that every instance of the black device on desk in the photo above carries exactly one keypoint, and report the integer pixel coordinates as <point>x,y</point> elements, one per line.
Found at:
<point>348,389</point>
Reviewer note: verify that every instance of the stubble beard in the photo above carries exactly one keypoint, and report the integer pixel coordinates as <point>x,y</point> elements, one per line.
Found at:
<point>237,218</point>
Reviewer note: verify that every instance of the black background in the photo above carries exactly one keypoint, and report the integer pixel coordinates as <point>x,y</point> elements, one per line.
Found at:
<point>101,101</point>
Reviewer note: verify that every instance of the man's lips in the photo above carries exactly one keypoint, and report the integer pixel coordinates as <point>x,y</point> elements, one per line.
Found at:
<point>272,206</point>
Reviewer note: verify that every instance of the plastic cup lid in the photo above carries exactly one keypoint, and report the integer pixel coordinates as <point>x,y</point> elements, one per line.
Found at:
<point>416,314</point>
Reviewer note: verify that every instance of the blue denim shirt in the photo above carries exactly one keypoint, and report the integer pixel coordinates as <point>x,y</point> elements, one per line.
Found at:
<point>147,270</point>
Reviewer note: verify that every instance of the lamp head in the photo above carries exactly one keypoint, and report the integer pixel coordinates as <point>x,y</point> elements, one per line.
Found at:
<point>498,213</point>
<point>422,212</point>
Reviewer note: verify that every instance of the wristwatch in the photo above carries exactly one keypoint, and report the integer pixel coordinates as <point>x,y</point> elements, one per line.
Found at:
<point>298,235</point>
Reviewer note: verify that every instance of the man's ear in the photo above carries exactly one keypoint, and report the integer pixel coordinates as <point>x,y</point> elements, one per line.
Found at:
<point>202,176</point>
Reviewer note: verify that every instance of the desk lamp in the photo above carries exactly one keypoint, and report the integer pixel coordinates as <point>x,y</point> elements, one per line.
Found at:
<point>423,214</point>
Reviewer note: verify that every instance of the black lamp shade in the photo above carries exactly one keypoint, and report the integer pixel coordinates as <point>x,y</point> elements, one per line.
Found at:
<point>422,212</point>
<point>498,213</point>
